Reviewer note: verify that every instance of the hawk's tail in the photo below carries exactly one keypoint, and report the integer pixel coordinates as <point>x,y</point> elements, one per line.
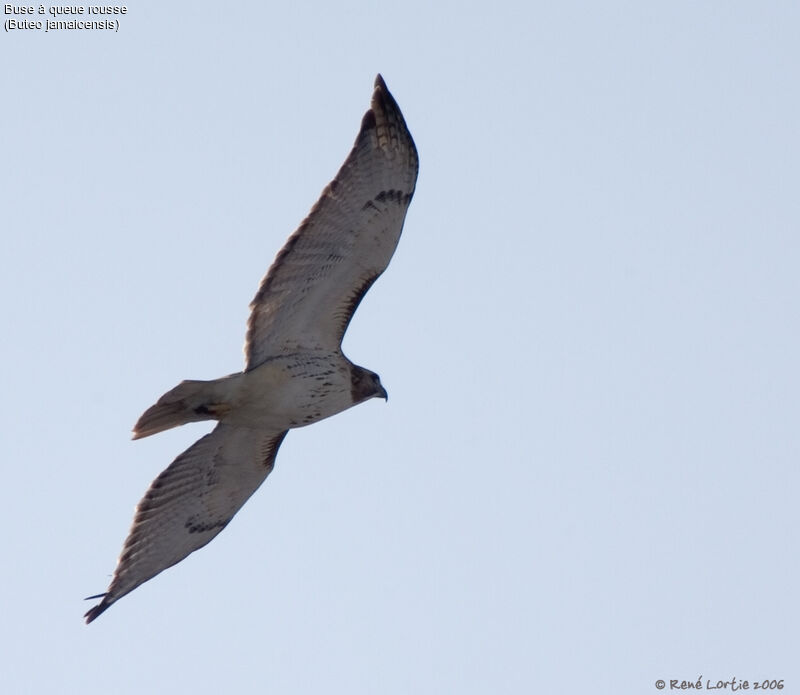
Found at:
<point>189,401</point>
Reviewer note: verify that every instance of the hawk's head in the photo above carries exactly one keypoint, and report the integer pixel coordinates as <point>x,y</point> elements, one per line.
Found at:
<point>365,384</point>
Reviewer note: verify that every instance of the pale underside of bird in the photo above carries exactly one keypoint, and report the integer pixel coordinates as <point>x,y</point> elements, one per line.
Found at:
<point>295,372</point>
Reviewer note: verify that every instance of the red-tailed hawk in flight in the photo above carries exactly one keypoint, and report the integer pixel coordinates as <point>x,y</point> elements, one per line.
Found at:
<point>295,372</point>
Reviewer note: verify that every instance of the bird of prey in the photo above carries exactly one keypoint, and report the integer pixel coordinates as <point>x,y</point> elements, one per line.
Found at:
<point>295,372</point>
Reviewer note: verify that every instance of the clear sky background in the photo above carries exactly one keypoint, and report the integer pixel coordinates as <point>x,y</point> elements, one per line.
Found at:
<point>586,476</point>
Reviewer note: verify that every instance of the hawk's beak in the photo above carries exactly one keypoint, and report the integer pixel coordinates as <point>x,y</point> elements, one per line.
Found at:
<point>382,393</point>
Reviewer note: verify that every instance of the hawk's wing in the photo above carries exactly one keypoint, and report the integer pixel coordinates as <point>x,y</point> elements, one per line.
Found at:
<point>191,502</point>
<point>317,280</point>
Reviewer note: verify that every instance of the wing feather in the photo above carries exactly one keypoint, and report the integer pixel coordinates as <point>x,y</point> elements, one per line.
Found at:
<point>191,502</point>
<point>317,280</point>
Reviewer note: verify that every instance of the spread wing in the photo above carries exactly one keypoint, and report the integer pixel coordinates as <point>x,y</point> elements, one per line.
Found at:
<point>319,277</point>
<point>191,502</point>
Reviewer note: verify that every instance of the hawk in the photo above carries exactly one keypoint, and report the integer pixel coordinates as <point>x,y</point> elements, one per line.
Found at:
<point>295,372</point>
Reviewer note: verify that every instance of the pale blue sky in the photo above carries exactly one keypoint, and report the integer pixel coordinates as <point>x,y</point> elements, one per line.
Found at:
<point>586,476</point>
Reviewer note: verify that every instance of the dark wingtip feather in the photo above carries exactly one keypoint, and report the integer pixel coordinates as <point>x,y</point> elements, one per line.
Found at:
<point>89,598</point>
<point>384,109</point>
<point>92,613</point>
<point>382,99</point>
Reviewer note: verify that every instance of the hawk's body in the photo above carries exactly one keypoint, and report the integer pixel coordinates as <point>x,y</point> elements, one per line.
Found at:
<point>295,372</point>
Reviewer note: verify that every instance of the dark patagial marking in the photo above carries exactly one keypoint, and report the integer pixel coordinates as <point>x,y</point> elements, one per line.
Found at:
<point>272,449</point>
<point>392,195</point>
<point>355,300</point>
<point>195,527</point>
